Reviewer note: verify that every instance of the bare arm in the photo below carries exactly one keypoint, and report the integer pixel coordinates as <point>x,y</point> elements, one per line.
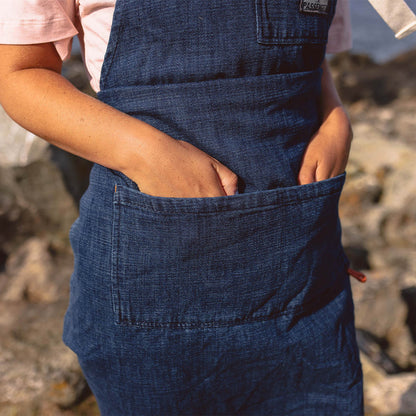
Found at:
<point>327,154</point>
<point>37,97</point>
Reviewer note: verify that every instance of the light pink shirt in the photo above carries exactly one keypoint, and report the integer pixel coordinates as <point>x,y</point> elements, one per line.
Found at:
<point>58,21</point>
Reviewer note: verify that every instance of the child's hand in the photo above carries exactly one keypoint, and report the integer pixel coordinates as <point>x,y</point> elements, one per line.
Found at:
<point>327,153</point>
<point>174,168</point>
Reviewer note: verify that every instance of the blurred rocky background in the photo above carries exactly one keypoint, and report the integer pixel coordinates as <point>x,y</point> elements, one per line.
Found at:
<point>378,213</point>
<point>40,187</point>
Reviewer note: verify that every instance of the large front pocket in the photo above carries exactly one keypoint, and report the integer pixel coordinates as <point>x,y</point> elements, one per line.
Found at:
<point>288,22</point>
<point>199,262</point>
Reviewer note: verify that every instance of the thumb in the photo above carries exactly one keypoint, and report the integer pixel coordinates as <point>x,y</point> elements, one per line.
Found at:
<point>307,174</point>
<point>227,178</point>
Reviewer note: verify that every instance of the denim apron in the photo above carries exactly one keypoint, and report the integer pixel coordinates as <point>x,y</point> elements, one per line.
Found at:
<point>236,305</point>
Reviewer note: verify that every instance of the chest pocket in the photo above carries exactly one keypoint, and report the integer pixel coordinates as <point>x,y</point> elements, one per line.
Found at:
<point>293,22</point>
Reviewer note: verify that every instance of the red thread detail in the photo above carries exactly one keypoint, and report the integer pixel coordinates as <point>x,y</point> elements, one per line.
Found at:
<point>361,277</point>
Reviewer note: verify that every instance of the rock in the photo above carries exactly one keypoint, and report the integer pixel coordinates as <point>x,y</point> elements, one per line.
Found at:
<point>381,311</point>
<point>36,367</point>
<point>387,394</point>
<point>399,226</point>
<point>9,198</point>
<point>18,147</point>
<point>400,184</point>
<point>402,69</point>
<point>17,219</point>
<point>370,346</point>
<point>88,407</point>
<point>364,230</point>
<point>40,375</point>
<point>402,350</point>
<point>349,62</point>
<point>358,257</point>
<point>374,153</point>
<point>361,190</point>
<point>409,296</point>
<point>42,185</point>
<point>377,207</point>
<point>30,338</point>
<point>372,372</point>
<point>68,389</point>
<point>372,376</point>
<point>381,292</point>
<point>397,260</point>
<point>34,201</point>
<point>29,274</point>
<point>395,122</point>
<point>392,395</point>
<point>360,78</point>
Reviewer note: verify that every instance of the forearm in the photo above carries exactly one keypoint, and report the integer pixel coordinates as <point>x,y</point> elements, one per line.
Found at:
<point>45,103</point>
<point>332,109</point>
<point>329,98</point>
<point>35,95</point>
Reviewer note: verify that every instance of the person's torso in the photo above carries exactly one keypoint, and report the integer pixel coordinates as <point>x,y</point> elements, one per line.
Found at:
<point>239,80</point>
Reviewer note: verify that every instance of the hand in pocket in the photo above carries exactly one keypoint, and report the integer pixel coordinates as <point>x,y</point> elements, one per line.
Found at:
<point>327,153</point>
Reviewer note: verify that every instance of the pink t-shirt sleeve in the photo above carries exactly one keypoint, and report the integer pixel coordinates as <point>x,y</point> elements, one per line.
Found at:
<point>38,21</point>
<point>340,36</point>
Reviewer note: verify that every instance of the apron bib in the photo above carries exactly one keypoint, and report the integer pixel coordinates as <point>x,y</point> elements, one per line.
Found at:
<point>227,305</point>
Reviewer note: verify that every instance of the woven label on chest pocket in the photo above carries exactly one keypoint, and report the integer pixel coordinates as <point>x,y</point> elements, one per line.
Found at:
<point>293,22</point>
<point>314,6</point>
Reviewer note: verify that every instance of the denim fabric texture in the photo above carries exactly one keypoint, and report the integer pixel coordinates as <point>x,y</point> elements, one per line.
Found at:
<point>237,305</point>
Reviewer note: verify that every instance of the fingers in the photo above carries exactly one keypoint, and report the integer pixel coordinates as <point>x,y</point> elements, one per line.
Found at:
<point>227,178</point>
<point>324,158</point>
<point>324,171</point>
<point>184,171</point>
<point>307,173</point>
<point>316,172</point>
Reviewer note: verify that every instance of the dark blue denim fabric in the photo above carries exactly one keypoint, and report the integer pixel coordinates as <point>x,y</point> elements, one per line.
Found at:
<point>235,305</point>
